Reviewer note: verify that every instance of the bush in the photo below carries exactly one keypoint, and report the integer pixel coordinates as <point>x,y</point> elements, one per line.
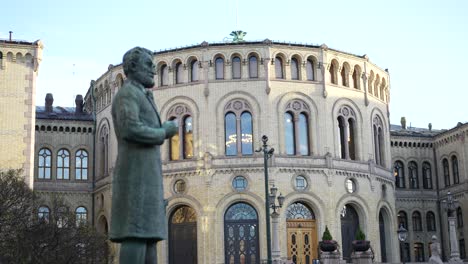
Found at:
<point>360,235</point>
<point>326,234</point>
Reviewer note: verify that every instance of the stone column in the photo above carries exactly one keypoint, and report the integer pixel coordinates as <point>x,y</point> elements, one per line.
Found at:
<point>454,251</point>
<point>330,257</point>
<point>275,247</point>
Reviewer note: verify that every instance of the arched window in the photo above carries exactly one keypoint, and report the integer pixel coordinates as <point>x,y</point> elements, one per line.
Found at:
<point>181,142</point>
<point>445,166</point>
<point>43,213</point>
<point>81,215</point>
<point>164,75</point>
<point>294,69</point>
<point>310,70</point>
<point>194,71</point>
<point>413,175</point>
<point>356,77</point>
<point>455,174</point>
<point>378,140</point>
<point>382,89</point>
<point>279,68</point>
<point>179,72</point>
<point>347,132</point>
<point>219,68</point>
<point>370,82</point>
<point>104,151</point>
<point>418,252</point>
<point>238,128</point>
<point>44,164</point>
<point>344,76</point>
<point>427,175</point>
<point>417,225</point>
<point>430,221</point>
<point>253,67</point>
<point>399,173</point>
<point>403,219</point>
<point>332,71</point>
<point>81,165</point>
<point>376,86</point>
<point>296,128</point>
<point>459,217</point>
<point>63,164</point>
<point>236,68</point>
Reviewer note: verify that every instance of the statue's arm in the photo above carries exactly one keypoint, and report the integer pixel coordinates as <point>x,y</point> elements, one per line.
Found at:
<point>132,129</point>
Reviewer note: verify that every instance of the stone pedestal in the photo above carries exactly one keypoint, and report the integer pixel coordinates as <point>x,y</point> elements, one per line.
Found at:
<point>275,248</point>
<point>330,257</point>
<point>454,251</point>
<point>362,257</point>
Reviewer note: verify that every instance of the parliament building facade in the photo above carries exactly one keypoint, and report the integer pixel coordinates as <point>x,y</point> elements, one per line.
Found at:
<point>337,160</point>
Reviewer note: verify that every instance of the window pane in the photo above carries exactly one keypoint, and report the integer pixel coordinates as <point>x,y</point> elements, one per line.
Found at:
<point>47,173</point>
<point>289,134</point>
<point>310,71</point>
<point>188,137</point>
<point>236,68</point>
<point>230,134</point>
<point>219,68</point>
<point>303,135</point>
<point>174,144</point>
<point>194,68</point>
<point>179,72</point>
<point>84,174</point>
<point>253,67</point>
<point>85,162</point>
<point>164,75</point>
<point>66,174</point>
<point>294,69</point>
<point>246,133</point>
<point>278,68</point>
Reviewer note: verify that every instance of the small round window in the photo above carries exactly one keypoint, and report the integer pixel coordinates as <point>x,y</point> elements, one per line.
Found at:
<point>301,183</point>
<point>239,183</point>
<point>179,186</point>
<point>350,186</point>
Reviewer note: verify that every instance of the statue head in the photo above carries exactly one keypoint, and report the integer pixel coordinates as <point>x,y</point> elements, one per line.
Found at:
<point>138,66</point>
<point>434,238</point>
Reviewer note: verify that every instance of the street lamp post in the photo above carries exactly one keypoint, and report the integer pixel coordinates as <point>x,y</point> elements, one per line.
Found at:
<point>267,153</point>
<point>276,253</point>
<point>402,236</point>
<point>450,204</point>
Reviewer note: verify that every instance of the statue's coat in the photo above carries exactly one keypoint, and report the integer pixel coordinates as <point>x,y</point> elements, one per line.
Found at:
<point>138,209</point>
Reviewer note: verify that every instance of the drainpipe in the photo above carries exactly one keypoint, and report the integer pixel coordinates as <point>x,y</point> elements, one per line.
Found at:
<point>93,98</point>
<point>438,201</point>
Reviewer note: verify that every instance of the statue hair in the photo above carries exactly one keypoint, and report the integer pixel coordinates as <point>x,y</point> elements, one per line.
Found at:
<point>132,56</point>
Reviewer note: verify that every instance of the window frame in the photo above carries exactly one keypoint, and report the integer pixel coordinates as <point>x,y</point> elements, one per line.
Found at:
<point>181,113</point>
<point>63,170</point>
<point>81,168</point>
<point>46,155</point>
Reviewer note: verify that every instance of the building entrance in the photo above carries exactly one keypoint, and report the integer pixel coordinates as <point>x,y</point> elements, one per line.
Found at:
<point>302,234</point>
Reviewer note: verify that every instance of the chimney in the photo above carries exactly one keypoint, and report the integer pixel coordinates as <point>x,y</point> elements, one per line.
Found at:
<point>430,126</point>
<point>11,32</point>
<point>49,102</point>
<point>403,122</point>
<point>79,104</point>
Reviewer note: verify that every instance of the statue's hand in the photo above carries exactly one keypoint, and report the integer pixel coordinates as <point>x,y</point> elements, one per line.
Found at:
<point>171,128</point>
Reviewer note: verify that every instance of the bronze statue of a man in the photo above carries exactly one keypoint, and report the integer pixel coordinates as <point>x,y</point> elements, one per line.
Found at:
<point>138,217</point>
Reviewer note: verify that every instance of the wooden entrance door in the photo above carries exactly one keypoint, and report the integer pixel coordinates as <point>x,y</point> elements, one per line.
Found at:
<point>183,236</point>
<point>302,241</point>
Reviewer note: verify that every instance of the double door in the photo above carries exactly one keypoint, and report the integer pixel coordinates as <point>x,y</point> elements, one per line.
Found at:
<point>302,241</point>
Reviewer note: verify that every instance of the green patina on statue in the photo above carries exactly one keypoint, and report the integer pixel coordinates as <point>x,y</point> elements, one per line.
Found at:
<point>138,217</point>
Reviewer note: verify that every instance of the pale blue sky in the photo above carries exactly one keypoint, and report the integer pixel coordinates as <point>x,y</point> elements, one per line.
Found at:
<point>424,44</point>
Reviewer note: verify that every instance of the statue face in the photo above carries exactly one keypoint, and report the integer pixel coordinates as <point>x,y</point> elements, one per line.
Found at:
<point>144,71</point>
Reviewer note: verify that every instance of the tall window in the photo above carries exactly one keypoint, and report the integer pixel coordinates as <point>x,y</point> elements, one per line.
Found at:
<point>402,219</point>
<point>418,252</point>
<point>179,72</point>
<point>43,213</point>
<point>427,175</point>
<point>253,67</point>
<point>413,175</point>
<point>182,142</point>
<point>63,164</point>
<point>461,243</point>
<point>456,177</point>
<point>236,68</point>
<point>219,68</point>
<point>430,221</point>
<point>347,132</point>
<point>194,71</point>
<point>310,70</point>
<point>378,140</point>
<point>417,225</point>
<point>279,68</point>
<point>399,173</point>
<point>370,82</point>
<point>294,69</point>
<point>81,215</point>
<point>45,164</point>
<point>164,75</point>
<point>459,217</point>
<point>356,76</point>
<point>332,71</point>
<point>344,76</point>
<point>238,128</point>
<point>104,150</point>
<point>296,128</point>
<point>81,165</point>
<point>445,166</point>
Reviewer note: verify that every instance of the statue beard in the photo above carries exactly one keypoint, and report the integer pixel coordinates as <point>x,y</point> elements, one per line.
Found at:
<point>145,78</point>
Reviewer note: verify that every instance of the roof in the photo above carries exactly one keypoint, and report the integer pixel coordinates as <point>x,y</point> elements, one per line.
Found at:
<point>62,113</point>
<point>396,130</point>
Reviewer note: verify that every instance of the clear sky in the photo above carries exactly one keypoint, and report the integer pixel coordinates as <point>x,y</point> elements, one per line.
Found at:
<point>423,43</point>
